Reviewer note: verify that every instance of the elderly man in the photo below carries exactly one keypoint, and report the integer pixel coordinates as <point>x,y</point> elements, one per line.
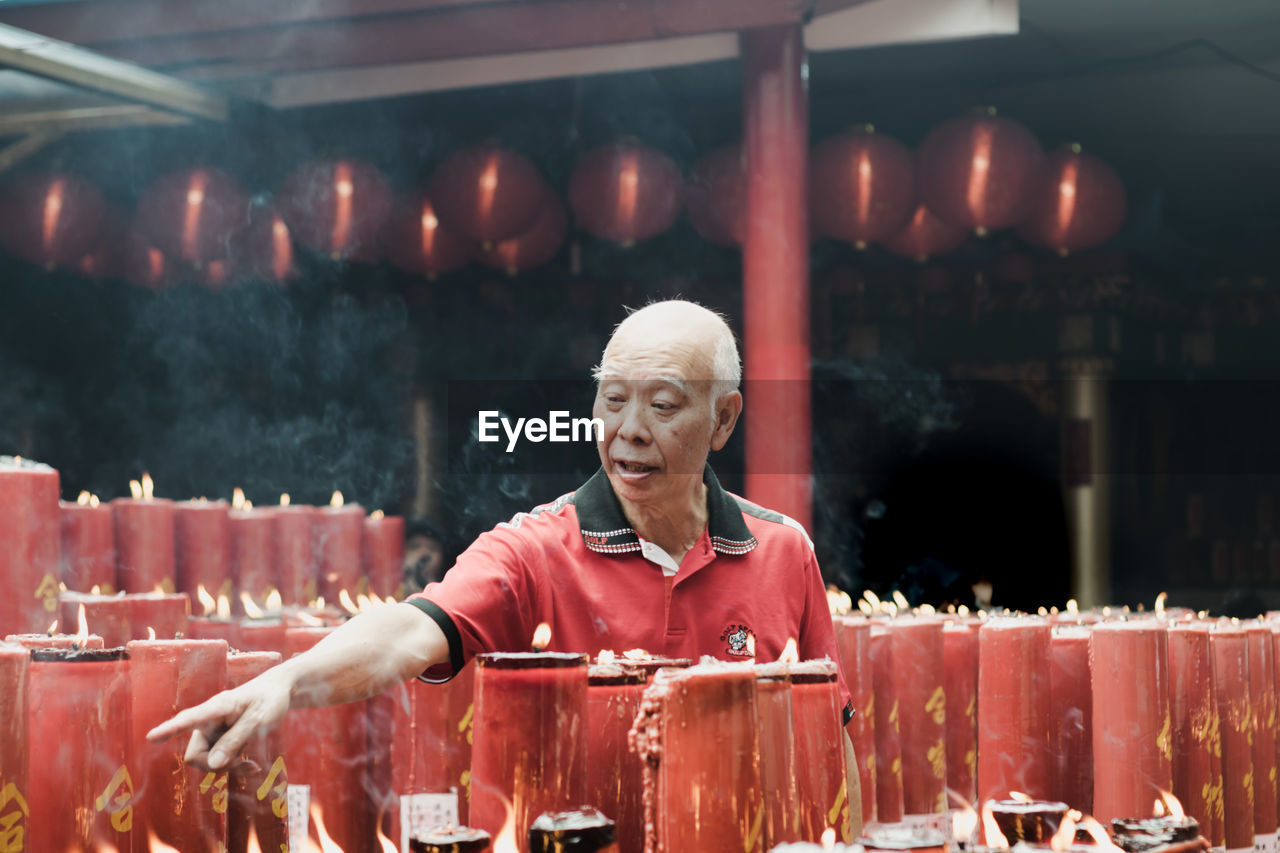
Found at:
<point>649,553</point>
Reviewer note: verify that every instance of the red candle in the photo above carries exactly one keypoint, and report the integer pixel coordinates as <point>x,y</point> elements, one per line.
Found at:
<point>81,790</point>
<point>696,732</point>
<point>296,554</point>
<point>853,637</point>
<point>108,616</point>
<point>821,786</point>
<point>259,797</point>
<point>1275,656</point>
<point>30,532</point>
<point>201,537</point>
<point>431,766</point>
<point>1071,707</point>
<point>144,542</point>
<point>164,613</point>
<point>582,830</point>
<point>1263,701</point>
<point>384,554</point>
<point>55,641</point>
<point>253,554</point>
<point>614,774</point>
<point>960,679</point>
<point>379,745</point>
<point>889,802</point>
<point>777,757</point>
<point>325,753</point>
<point>1132,726</point>
<point>212,628</point>
<point>1230,649</point>
<point>183,806</point>
<point>916,645</point>
<point>1197,742</point>
<point>88,546</point>
<point>260,635</point>
<point>530,746</point>
<point>1013,707</point>
<point>14,827</point>
<point>339,530</point>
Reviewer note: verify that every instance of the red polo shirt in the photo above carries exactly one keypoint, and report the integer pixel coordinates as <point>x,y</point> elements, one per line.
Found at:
<point>750,583</point>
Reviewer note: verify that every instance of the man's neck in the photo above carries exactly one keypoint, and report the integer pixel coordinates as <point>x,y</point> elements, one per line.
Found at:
<point>675,529</point>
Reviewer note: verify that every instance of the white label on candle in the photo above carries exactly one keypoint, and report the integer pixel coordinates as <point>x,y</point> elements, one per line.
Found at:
<point>1268,843</point>
<point>420,812</point>
<point>299,815</point>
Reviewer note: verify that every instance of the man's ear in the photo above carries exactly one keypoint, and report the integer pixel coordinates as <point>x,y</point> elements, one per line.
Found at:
<point>727,410</point>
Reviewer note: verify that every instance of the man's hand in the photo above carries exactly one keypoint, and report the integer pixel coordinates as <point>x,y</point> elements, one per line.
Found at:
<point>222,726</point>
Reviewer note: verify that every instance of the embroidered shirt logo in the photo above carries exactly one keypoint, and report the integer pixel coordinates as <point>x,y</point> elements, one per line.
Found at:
<point>739,641</point>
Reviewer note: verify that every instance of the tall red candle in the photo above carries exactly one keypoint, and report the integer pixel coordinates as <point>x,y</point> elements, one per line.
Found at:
<point>1230,649</point>
<point>853,638</point>
<point>296,554</point>
<point>325,753</point>
<point>164,613</point>
<point>213,628</point>
<point>696,732</point>
<point>258,797</point>
<point>88,546</point>
<point>339,531</point>
<point>530,747</point>
<point>916,645</point>
<point>1013,707</point>
<point>1262,694</point>
<point>1071,707</point>
<point>81,790</point>
<point>144,544</point>
<point>202,541</point>
<point>1132,726</point>
<point>960,679</point>
<point>614,773</point>
<point>1275,656</point>
<point>889,802</point>
<point>1197,741</point>
<point>183,806</point>
<point>379,745</point>
<point>431,766</point>
<point>109,616</point>
<point>821,787</point>
<point>30,526</point>
<point>14,743</point>
<point>260,635</point>
<point>383,550</point>
<point>253,554</point>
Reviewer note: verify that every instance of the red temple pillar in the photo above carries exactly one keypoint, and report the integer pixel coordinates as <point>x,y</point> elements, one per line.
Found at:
<point>775,271</point>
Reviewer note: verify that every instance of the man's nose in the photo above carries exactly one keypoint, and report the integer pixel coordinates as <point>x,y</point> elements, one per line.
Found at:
<point>634,425</point>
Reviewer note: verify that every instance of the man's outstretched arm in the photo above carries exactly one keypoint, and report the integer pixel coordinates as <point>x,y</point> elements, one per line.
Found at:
<point>361,658</point>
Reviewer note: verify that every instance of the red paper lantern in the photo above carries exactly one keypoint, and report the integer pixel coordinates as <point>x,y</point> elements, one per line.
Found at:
<point>50,219</point>
<point>1076,201</point>
<point>417,242</point>
<point>715,194</point>
<point>925,236</point>
<point>861,186</point>
<point>487,193</point>
<point>532,249</point>
<point>337,206</point>
<point>976,171</point>
<point>625,192</point>
<point>191,214</point>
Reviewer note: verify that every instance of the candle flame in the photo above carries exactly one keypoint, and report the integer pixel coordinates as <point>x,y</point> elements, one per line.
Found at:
<point>1019,797</point>
<point>377,514</point>
<point>53,628</point>
<point>838,601</point>
<point>1042,611</point>
<point>790,653</point>
<point>237,498</point>
<point>606,656</point>
<point>284,499</point>
<point>505,842</point>
<point>206,600</point>
<point>901,600</point>
<point>926,610</point>
<point>318,603</point>
<point>155,845</point>
<point>96,589</point>
<point>274,600</point>
<point>336,500</point>
<point>1066,834</point>
<point>963,822</point>
<point>248,505</point>
<point>962,610</point>
<point>829,838</point>
<point>991,830</point>
<point>636,654</point>
<point>387,845</point>
<point>82,625</point>
<point>871,598</point>
<point>1099,834</point>
<point>1170,804</point>
<point>1073,606</point>
<point>251,844</point>
<point>223,607</point>
<point>541,638</point>
<point>327,844</point>
<point>1160,601</point>
<point>82,499</point>
<point>865,607</point>
<point>148,487</point>
<point>151,633</point>
<point>135,489</point>
<point>344,598</point>
<point>251,610</point>
<point>309,619</point>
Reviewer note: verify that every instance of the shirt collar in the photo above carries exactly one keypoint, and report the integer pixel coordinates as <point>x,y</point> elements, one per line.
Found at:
<point>605,529</point>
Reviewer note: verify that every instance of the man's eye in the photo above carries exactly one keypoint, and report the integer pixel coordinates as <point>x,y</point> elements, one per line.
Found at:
<point>661,406</point>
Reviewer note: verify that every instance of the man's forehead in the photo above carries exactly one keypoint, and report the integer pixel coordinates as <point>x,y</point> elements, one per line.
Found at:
<point>647,379</point>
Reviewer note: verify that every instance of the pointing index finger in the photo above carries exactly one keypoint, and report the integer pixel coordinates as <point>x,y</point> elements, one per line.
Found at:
<point>202,715</point>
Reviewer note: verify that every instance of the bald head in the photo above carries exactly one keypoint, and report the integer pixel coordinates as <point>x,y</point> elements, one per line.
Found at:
<point>645,343</point>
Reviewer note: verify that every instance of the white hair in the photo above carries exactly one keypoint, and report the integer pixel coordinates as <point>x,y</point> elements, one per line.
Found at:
<point>726,365</point>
